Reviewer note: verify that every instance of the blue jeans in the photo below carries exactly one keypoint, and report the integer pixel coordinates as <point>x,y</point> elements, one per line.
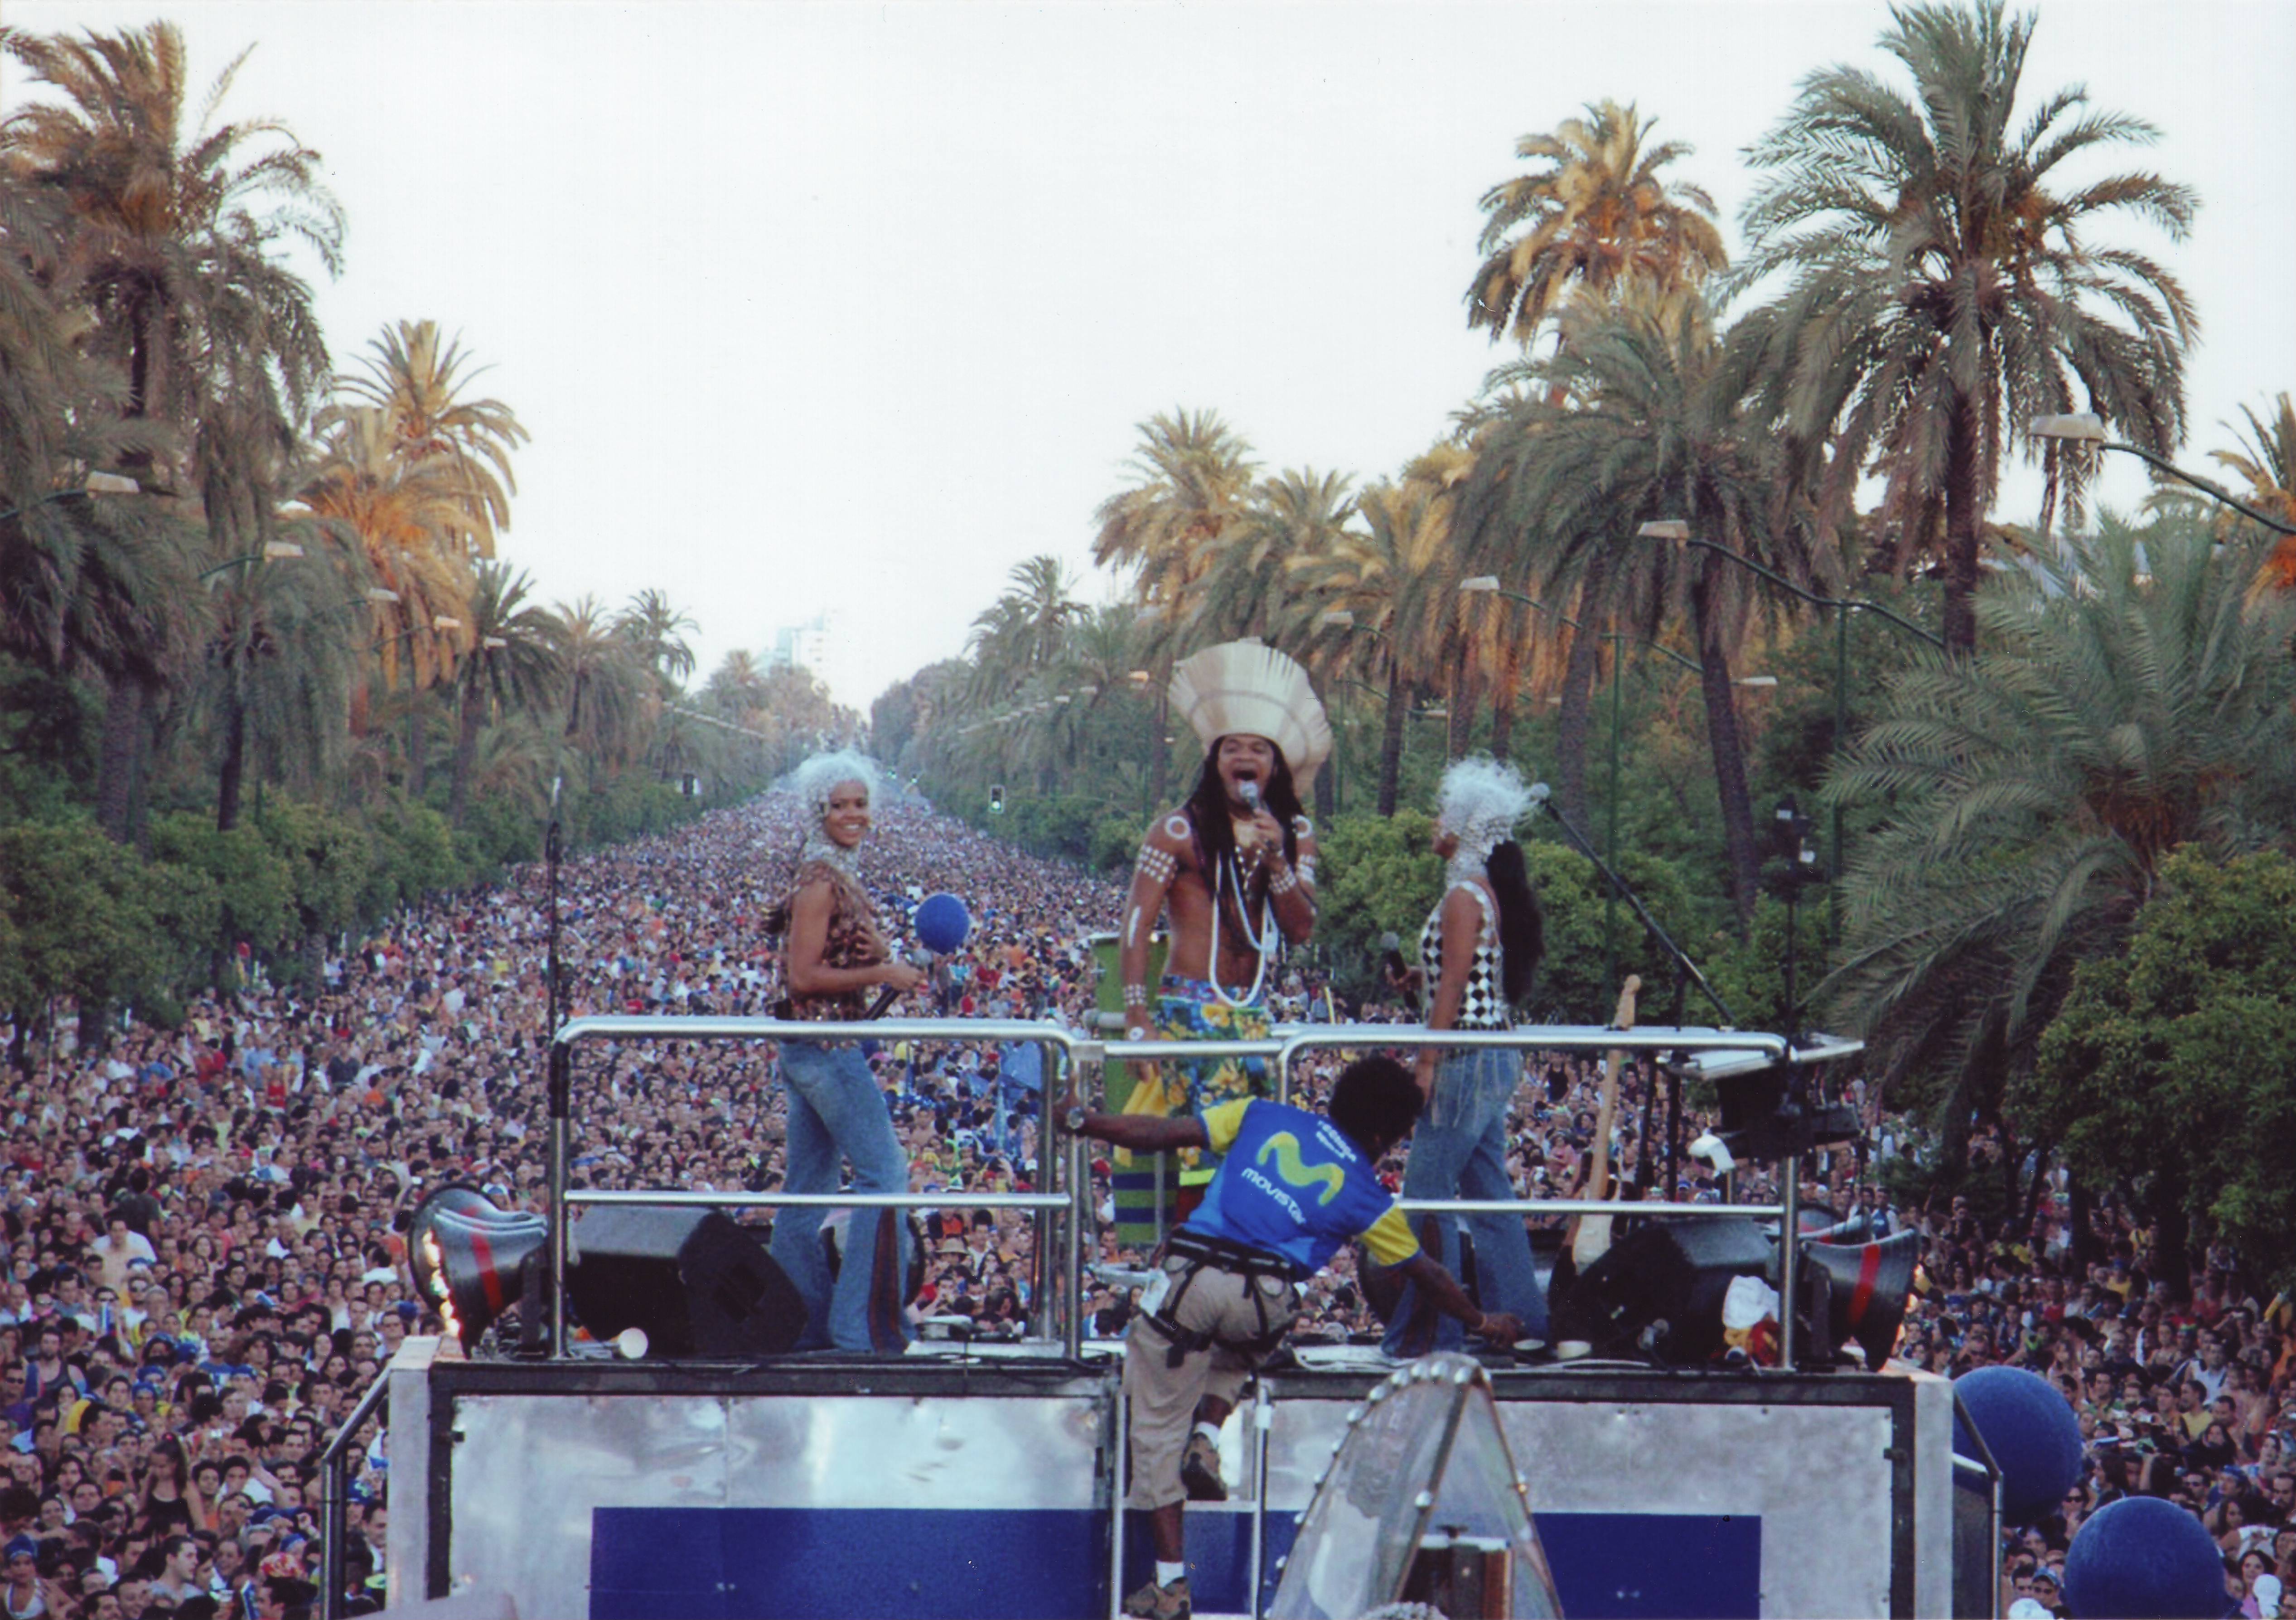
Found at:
<point>1459,1151</point>
<point>837,1113</point>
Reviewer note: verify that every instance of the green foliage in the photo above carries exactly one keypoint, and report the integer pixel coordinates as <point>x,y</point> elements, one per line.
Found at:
<point>329,862</point>
<point>414,857</point>
<point>88,921</point>
<point>2171,1063</point>
<point>1375,875</point>
<point>254,886</point>
<point>48,729</point>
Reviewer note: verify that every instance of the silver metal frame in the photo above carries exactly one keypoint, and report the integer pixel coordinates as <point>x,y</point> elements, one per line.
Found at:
<point>1059,1298</point>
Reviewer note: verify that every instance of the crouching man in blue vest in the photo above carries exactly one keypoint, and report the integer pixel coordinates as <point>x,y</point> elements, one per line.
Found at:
<point>1292,1187</point>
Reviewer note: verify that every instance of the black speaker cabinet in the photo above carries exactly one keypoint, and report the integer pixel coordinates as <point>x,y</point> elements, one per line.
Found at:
<point>696,1282</point>
<point>1659,1289</point>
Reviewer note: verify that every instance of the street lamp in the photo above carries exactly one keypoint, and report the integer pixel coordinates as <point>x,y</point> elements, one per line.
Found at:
<point>270,551</point>
<point>1677,531</point>
<point>98,483</point>
<point>2087,428</point>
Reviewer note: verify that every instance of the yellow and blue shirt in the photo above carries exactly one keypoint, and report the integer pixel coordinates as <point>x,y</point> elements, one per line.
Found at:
<point>1293,1183</point>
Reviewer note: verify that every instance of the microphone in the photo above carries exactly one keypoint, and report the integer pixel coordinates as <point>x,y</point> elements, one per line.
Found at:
<point>1247,790</point>
<point>886,997</point>
<point>1539,794</point>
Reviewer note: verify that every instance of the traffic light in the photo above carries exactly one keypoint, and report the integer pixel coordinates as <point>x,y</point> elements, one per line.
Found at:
<point>996,799</point>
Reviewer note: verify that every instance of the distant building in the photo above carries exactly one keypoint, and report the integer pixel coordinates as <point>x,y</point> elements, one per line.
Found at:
<point>808,646</point>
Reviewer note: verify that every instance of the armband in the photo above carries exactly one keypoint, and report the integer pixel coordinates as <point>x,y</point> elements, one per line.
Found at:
<point>1283,883</point>
<point>1157,866</point>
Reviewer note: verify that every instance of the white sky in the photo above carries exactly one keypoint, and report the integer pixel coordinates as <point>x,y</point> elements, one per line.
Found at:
<point>850,307</point>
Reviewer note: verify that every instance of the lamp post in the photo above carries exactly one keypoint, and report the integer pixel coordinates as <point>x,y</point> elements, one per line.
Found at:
<point>1677,531</point>
<point>2087,428</point>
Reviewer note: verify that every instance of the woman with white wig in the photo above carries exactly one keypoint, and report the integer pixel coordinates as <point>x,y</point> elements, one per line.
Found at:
<point>1478,951</point>
<point>835,957</point>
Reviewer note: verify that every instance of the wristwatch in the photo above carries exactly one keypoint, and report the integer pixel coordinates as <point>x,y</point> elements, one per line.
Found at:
<point>1073,1120</point>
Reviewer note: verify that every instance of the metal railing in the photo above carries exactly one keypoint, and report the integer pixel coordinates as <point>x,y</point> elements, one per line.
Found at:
<point>334,1507</point>
<point>1056,1304</point>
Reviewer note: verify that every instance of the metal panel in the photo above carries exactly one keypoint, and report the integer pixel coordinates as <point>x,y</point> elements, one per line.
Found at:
<point>950,1454</point>
<point>1813,1461</point>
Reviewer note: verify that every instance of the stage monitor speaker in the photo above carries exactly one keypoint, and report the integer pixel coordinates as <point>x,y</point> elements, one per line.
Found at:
<point>1657,1291</point>
<point>692,1281</point>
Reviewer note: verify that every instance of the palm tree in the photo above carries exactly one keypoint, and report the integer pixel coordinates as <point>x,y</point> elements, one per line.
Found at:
<point>171,252</point>
<point>2266,459</point>
<point>1945,282</point>
<point>1247,588</point>
<point>2128,703</point>
<point>512,667</point>
<point>1024,631</point>
<point>605,688</point>
<point>410,514</point>
<point>1660,421</point>
<point>417,390</point>
<point>170,228</point>
<point>1191,475</point>
<point>657,629</point>
<point>1595,217</point>
<point>1371,597</point>
<point>281,658</point>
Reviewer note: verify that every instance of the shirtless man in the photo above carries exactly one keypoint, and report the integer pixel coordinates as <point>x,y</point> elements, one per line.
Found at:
<point>1235,867</point>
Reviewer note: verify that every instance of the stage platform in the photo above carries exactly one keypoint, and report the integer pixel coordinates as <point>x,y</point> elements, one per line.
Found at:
<point>969,1483</point>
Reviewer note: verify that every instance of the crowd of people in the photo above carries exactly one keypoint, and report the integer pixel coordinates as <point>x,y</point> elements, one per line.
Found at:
<point>205,1225</point>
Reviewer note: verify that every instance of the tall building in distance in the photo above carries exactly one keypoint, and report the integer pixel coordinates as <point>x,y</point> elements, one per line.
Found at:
<point>808,646</point>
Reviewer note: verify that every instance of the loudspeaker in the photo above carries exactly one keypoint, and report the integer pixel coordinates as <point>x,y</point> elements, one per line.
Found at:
<point>470,1258</point>
<point>693,1280</point>
<point>1659,1289</point>
<point>1869,1283</point>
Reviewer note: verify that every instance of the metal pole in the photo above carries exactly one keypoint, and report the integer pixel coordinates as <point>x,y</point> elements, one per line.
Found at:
<point>562,1085</point>
<point>1090,1083</point>
<point>1611,839</point>
<point>1789,1258</point>
<point>1841,736</point>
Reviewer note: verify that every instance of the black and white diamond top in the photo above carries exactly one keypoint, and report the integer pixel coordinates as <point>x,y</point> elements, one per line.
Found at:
<point>1484,1005</point>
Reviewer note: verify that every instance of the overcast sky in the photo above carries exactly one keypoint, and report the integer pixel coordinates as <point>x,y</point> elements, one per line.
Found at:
<point>851,307</point>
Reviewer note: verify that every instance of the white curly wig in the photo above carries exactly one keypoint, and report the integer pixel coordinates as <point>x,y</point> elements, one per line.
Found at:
<point>1480,802</point>
<point>820,776</point>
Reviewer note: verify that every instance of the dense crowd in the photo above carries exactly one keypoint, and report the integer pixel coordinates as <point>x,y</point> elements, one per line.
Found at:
<point>205,1225</point>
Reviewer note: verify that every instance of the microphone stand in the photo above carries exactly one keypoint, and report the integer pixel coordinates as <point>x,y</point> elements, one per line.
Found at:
<point>1684,968</point>
<point>1686,973</point>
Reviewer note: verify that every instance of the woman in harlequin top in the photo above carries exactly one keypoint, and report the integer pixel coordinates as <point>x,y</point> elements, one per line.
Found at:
<point>1477,953</point>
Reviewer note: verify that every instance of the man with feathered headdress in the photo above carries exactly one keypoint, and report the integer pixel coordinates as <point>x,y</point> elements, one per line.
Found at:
<point>1234,870</point>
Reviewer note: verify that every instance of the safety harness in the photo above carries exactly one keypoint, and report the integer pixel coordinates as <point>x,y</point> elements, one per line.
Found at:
<point>1267,1277</point>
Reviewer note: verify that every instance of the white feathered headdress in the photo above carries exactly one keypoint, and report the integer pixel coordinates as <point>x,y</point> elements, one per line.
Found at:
<point>1247,688</point>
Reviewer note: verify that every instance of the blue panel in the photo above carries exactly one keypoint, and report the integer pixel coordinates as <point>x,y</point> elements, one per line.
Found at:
<point>1650,1565</point>
<point>852,1564</point>
<point>635,1605</point>
<point>656,1550</point>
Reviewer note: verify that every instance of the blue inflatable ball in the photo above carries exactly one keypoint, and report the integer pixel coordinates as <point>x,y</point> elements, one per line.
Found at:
<point>2143,1556</point>
<point>941,922</point>
<point>2032,1433</point>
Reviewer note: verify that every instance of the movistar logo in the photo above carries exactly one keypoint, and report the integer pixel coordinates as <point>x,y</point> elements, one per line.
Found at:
<point>1284,1149</point>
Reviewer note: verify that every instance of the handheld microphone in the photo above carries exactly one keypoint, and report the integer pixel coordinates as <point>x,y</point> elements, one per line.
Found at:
<point>886,997</point>
<point>1247,790</point>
